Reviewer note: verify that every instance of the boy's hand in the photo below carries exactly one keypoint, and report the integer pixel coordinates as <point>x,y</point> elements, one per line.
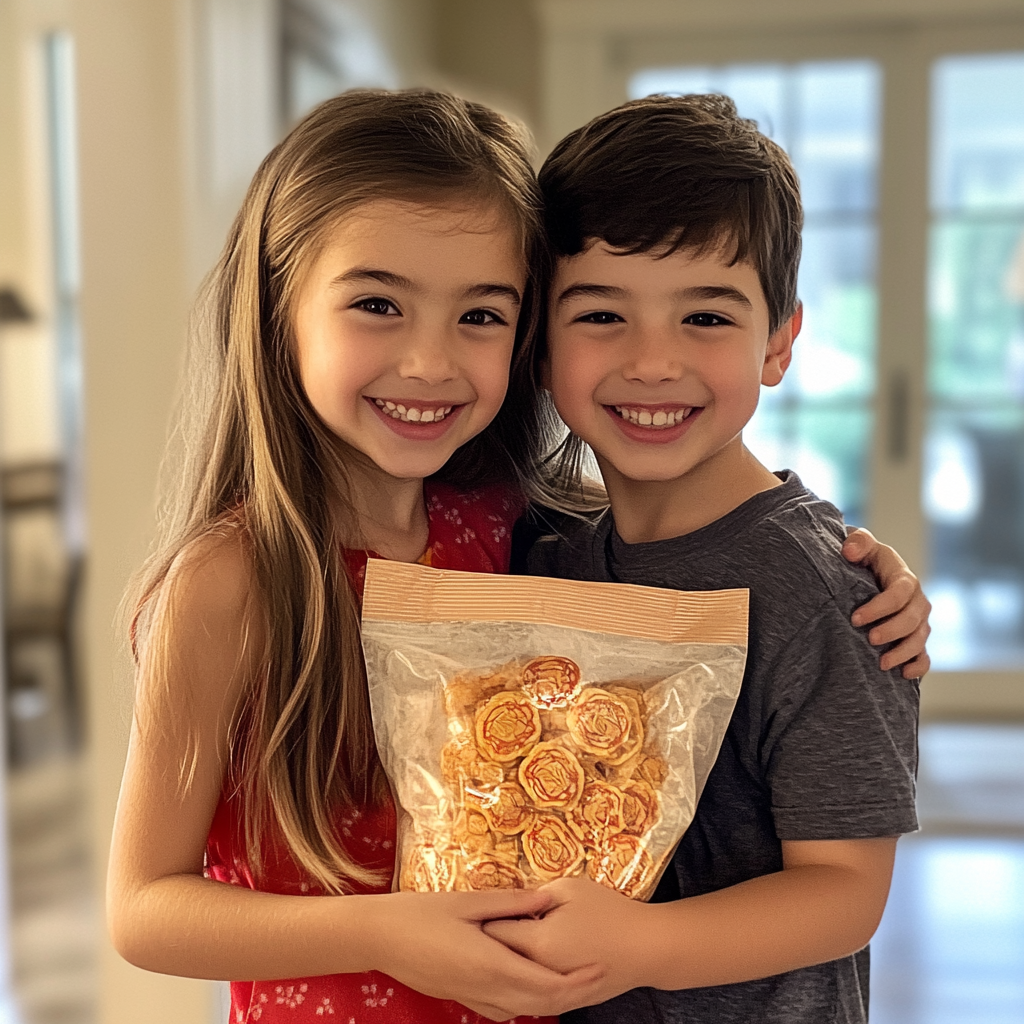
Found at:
<point>901,609</point>
<point>434,943</point>
<point>589,925</point>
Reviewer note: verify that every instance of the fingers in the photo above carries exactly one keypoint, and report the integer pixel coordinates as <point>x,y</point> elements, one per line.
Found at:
<point>917,668</point>
<point>900,626</point>
<point>859,544</point>
<point>520,986</point>
<point>912,651</point>
<point>517,935</point>
<point>898,595</point>
<point>485,906</point>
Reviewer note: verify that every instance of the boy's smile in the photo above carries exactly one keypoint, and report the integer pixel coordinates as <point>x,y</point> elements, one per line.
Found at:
<point>657,363</point>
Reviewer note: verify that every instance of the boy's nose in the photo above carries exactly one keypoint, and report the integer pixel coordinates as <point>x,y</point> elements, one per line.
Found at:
<point>655,360</point>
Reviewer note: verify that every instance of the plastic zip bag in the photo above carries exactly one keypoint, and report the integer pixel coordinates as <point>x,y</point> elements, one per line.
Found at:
<point>538,728</point>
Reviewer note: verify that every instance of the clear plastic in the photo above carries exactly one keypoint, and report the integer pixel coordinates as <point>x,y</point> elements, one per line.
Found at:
<point>520,752</point>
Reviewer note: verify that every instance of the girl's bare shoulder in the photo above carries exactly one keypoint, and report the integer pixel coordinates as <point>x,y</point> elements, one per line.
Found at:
<point>206,626</point>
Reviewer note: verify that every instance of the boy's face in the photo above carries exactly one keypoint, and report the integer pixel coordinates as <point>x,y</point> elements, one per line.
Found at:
<point>658,363</point>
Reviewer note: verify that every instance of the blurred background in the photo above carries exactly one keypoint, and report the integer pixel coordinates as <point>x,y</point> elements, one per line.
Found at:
<point>128,132</point>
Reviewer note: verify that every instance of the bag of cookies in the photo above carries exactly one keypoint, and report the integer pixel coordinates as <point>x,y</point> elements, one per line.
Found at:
<point>538,728</point>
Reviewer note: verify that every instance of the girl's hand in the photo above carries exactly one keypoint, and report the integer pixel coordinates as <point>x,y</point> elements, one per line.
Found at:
<point>589,924</point>
<point>901,609</point>
<point>436,944</point>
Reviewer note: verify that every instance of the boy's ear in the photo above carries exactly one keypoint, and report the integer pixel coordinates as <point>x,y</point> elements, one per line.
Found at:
<point>780,349</point>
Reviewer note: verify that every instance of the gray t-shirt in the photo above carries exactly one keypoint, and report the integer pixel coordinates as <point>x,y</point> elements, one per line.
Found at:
<point>822,744</point>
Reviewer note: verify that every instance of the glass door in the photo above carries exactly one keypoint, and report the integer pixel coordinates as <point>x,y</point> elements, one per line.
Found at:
<point>973,483</point>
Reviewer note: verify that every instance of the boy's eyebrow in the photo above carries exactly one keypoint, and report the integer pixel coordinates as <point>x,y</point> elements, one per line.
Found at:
<point>393,280</point>
<point>705,292</point>
<point>716,291</point>
<point>597,291</point>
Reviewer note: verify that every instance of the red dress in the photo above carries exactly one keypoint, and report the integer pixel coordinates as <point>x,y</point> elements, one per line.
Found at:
<point>472,532</point>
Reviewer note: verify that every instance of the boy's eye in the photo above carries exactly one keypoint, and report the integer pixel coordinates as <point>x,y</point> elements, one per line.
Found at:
<point>378,307</point>
<point>601,317</point>
<point>481,318</point>
<point>706,320</point>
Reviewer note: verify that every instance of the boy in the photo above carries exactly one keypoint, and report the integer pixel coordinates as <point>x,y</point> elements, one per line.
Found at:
<point>676,227</point>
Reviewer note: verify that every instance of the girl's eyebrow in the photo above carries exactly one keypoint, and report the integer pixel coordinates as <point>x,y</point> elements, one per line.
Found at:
<point>387,277</point>
<point>485,291</point>
<point>392,280</point>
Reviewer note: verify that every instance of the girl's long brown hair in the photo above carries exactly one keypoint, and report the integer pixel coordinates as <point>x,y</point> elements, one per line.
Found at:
<point>258,460</point>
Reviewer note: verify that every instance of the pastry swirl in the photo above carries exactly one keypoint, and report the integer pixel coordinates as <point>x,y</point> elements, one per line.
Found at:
<point>598,813</point>
<point>621,863</point>
<point>551,682</point>
<point>507,726</point>
<point>551,848</point>
<point>604,725</point>
<point>551,776</point>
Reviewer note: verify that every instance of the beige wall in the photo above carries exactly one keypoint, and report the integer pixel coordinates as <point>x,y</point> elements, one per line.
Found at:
<point>152,221</point>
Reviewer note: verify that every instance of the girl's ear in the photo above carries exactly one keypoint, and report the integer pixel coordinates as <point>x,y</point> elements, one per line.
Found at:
<point>545,373</point>
<point>780,349</point>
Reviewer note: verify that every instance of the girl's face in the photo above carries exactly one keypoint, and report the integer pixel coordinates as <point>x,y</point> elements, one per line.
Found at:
<point>404,329</point>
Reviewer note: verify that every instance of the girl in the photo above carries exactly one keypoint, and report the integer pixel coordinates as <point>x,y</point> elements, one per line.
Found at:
<point>369,331</point>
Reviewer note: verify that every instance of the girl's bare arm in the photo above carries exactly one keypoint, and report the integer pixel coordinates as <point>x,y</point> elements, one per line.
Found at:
<point>900,612</point>
<point>165,916</point>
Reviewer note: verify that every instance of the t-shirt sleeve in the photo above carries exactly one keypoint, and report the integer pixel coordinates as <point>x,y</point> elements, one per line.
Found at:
<point>840,740</point>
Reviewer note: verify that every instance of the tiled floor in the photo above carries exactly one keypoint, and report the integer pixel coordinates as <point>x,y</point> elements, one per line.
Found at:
<point>950,949</point>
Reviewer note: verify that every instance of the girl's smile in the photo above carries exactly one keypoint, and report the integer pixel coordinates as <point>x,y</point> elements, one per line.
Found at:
<point>404,329</point>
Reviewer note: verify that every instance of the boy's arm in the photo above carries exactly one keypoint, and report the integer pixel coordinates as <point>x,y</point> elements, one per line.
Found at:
<point>826,903</point>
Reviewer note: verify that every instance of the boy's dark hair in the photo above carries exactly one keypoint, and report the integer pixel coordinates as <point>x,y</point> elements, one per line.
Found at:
<point>679,172</point>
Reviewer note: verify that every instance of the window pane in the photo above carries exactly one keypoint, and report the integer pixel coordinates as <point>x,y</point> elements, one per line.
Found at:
<point>978,130</point>
<point>825,114</point>
<point>973,481</point>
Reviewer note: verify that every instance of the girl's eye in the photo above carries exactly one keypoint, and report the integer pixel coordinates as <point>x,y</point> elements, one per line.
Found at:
<point>378,307</point>
<point>601,317</point>
<point>706,320</point>
<point>481,318</point>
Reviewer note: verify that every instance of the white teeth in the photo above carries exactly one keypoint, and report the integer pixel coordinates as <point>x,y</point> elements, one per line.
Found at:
<point>645,418</point>
<point>412,414</point>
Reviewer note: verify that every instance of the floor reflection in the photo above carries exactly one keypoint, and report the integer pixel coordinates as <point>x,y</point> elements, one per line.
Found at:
<point>951,946</point>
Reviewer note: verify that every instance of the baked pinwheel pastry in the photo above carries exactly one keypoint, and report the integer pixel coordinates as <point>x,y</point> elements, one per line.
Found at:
<point>546,777</point>
<point>621,862</point>
<point>551,682</point>
<point>507,726</point>
<point>551,848</point>
<point>507,808</point>
<point>492,873</point>
<point>551,776</point>
<point>603,724</point>
<point>598,814</point>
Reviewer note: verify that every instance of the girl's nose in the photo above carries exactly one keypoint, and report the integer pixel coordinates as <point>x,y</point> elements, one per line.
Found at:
<point>430,356</point>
